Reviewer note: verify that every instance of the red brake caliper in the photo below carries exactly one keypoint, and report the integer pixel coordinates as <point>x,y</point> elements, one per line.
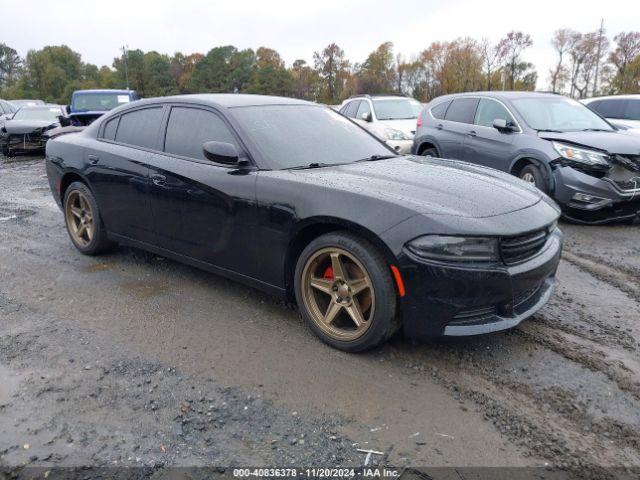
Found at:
<point>328,273</point>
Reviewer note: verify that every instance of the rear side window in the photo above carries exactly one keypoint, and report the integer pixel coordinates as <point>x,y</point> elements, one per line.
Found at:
<point>189,128</point>
<point>110,128</point>
<point>140,127</point>
<point>613,108</point>
<point>439,110</point>
<point>462,110</point>
<point>490,110</point>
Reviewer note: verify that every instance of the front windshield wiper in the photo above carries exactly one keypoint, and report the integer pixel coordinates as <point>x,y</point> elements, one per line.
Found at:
<point>312,165</point>
<point>551,130</point>
<point>373,158</point>
<point>595,130</point>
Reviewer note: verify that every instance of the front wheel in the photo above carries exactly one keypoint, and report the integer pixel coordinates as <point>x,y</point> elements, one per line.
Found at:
<point>345,292</point>
<point>83,220</point>
<point>533,175</point>
<point>430,152</point>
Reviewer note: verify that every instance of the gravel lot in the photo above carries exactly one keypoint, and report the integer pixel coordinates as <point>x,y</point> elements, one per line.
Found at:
<point>132,359</point>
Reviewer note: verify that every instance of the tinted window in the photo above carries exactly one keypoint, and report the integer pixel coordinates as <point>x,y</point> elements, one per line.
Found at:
<point>439,110</point>
<point>490,110</point>
<point>609,108</point>
<point>189,128</point>
<point>140,127</point>
<point>351,108</point>
<point>363,109</point>
<point>632,112</point>
<point>298,135</point>
<point>462,110</point>
<point>110,129</point>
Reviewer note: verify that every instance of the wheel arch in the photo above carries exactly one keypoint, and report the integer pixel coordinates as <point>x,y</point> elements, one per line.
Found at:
<point>67,179</point>
<point>310,229</point>
<point>427,143</point>
<point>527,159</point>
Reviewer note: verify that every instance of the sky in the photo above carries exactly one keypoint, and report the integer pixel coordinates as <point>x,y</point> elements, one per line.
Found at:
<point>298,28</point>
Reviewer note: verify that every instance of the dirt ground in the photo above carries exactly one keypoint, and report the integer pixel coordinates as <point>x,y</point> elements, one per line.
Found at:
<point>135,360</point>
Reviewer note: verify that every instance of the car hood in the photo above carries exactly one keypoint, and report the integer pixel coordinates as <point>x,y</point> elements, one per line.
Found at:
<point>611,142</point>
<point>20,127</point>
<point>430,186</point>
<point>407,126</point>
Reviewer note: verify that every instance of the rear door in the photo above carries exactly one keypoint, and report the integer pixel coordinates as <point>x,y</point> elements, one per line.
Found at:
<point>202,209</point>
<point>119,174</point>
<point>485,144</point>
<point>455,128</point>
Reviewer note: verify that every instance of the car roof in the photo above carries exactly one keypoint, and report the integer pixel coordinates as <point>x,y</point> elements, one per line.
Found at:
<point>609,97</point>
<point>106,90</point>
<point>227,100</point>
<point>499,95</point>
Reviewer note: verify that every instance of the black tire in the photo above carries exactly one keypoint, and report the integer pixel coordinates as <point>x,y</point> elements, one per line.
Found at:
<point>99,242</point>
<point>430,152</point>
<point>533,172</point>
<point>384,322</point>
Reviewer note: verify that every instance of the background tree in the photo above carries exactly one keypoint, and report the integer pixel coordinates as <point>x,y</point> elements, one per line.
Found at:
<point>306,81</point>
<point>10,64</point>
<point>510,49</point>
<point>490,59</point>
<point>333,70</point>
<point>270,75</point>
<point>223,69</point>
<point>561,42</point>
<point>378,74</point>
<point>625,54</point>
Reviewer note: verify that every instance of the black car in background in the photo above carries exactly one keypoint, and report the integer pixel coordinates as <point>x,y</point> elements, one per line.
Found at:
<point>293,198</point>
<point>25,130</point>
<point>569,152</point>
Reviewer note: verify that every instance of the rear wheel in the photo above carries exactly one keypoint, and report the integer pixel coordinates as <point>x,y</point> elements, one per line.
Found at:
<point>533,175</point>
<point>345,292</point>
<point>83,221</point>
<point>430,152</point>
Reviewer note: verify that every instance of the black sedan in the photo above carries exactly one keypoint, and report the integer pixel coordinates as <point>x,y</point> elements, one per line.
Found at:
<point>25,131</point>
<point>291,197</point>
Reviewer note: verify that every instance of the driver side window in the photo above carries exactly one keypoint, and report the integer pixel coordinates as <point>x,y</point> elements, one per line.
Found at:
<point>490,110</point>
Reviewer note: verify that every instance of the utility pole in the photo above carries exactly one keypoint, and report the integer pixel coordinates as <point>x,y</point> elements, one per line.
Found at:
<point>595,78</point>
<point>126,68</point>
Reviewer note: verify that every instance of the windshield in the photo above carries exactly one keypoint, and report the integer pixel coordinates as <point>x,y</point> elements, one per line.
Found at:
<point>397,108</point>
<point>98,101</point>
<point>49,114</point>
<point>558,113</point>
<point>300,135</point>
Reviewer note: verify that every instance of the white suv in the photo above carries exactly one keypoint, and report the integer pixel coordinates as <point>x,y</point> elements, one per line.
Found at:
<point>390,118</point>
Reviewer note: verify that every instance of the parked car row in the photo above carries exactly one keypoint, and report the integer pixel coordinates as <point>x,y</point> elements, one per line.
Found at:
<point>27,125</point>
<point>296,199</point>
<point>557,144</point>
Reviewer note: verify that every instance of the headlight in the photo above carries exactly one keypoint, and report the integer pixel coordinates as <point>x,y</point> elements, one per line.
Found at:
<point>589,157</point>
<point>393,134</point>
<point>456,249</point>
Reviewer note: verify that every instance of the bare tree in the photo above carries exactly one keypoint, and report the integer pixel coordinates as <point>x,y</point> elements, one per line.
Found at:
<point>511,48</point>
<point>626,51</point>
<point>561,42</point>
<point>490,58</point>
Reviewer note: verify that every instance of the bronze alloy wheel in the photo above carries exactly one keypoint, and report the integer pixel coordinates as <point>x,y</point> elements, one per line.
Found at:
<point>338,293</point>
<point>79,218</point>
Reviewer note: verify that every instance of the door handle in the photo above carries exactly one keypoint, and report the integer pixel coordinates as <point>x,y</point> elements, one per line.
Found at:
<point>439,126</point>
<point>472,133</point>
<point>93,159</point>
<point>159,180</point>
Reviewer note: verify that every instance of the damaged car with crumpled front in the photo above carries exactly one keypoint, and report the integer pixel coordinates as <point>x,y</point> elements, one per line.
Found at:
<point>26,131</point>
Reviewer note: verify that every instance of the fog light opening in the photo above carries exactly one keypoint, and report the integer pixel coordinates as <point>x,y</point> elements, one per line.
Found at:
<point>591,199</point>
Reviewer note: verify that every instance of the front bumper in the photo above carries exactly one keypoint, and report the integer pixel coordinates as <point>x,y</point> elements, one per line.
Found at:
<point>26,143</point>
<point>453,300</point>
<point>615,204</point>
<point>400,146</point>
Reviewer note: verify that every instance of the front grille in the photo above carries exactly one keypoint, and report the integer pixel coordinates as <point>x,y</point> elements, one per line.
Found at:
<point>477,316</point>
<point>522,297</point>
<point>633,184</point>
<point>523,247</point>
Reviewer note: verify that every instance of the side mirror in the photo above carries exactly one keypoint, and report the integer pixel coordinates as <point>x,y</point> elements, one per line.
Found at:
<point>366,116</point>
<point>64,121</point>
<point>502,125</point>
<point>220,152</point>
